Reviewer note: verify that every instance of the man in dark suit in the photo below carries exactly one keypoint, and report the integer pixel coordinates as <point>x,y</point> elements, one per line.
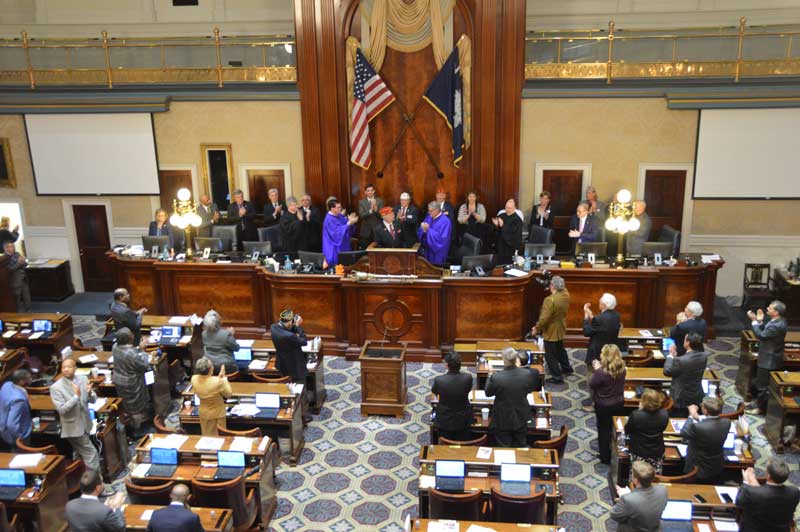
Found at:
<point>641,508</point>
<point>771,336</point>
<point>18,276</point>
<point>582,227</point>
<point>209,213</point>
<point>407,215</point>
<point>312,220</point>
<point>693,323</point>
<point>686,371</point>
<point>289,338</point>
<point>769,507</point>
<point>601,329</point>
<point>124,316</point>
<point>454,413</point>
<point>274,208</point>
<point>243,213</point>
<point>369,213</point>
<point>511,412</point>
<point>635,239</point>
<point>88,514</point>
<point>705,440</point>
<point>388,233</point>
<point>292,227</point>
<point>177,517</point>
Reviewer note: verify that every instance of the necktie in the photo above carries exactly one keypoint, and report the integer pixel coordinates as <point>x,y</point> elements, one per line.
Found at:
<point>403,214</point>
<point>391,230</point>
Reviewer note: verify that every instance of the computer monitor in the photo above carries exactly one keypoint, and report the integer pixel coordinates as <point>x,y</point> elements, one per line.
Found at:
<point>12,477</point>
<point>515,473</point>
<point>348,258</point>
<point>216,244</point>
<point>268,400</point>
<point>309,257</point>
<point>230,459</point>
<point>264,248</point>
<point>243,354</point>
<point>600,249</point>
<point>484,261</point>
<point>170,331</point>
<point>151,241</point>
<point>42,326</point>
<point>450,468</point>
<point>545,250</point>
<point>163,456</point>
<point>649,249</point>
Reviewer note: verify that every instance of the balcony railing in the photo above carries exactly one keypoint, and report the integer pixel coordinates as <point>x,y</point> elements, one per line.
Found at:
<point>728,52</point>
<point>109,61</point>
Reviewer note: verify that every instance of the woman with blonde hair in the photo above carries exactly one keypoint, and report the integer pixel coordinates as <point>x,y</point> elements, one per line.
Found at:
<point>645,429</point>
<point>6,234</point>
<point>607,386</point>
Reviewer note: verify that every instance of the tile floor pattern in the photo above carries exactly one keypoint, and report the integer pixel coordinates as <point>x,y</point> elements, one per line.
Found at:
<point>360,474</point>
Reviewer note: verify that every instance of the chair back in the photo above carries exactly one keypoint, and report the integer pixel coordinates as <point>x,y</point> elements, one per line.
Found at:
<point>736,414</point>
<point>756,275</point>
<point>228,235</point>
<point>540,235</point>
<point>477,442</point>
<point>271,234</point>
<point>670,234</point>
<point>470,246</point>
<point>264,248</point>
<point>5,524</point>
<point>252,433</point>
<point>234,376</point>
<point>268,380</point>
<point>149,241</point>
<point>513,509</point>
<point>649,249</point>
<point>162,428</point>
<point>545,250</point>
<point>600,249</point>
<point>559,443</point>
<point>156,494</point>
<point>639,362</point>
<point>47,449</point>
<point>687,478</point>
<point>229,494</point>
<point>216,244</point>
<point>485,261</point>
<point>461,506</point>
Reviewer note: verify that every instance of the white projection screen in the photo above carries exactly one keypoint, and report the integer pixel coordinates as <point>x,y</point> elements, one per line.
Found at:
<point>90,154</point>
<point>748,154</point>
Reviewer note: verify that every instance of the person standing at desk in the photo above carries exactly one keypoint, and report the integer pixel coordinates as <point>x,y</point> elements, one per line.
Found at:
<point>177,517</point>
<point>212,392</point>
<point>553,326</point>
<point>130,365</point>
<point>15,410</point>
<point>218,343</point>
<point>6,233</point>
<point>635,239</point>
<point>445,206</point>
<point>454,413</point>
<point>640,509</point>
<point>209,213</point>
<point>124,317</point>
<point>687,372</point>
<point>408,217</point>
<point>18,277</point>
<point>434,233</point>
<point>596,208</point>
<point>292,227</point>
<point>274,208</point>
<point>645,429</point>
<point>769,507</point>
<point>388,234</point>
<point>71,395</point>
<point>693,323</point>
<point>88,514</point>
<point>607,386</point>
<point>312,220</point>
<point>541,214</point>
<point>161,227</point>
<point>601,329</point>
<point>336,232</point>
<point>771,336</point>
<point>511,411</point>
<point>471,216</point>
<point>509,225</point>
<point>582,227</point>
<point>243,214</point>
<point>368,212</point>
<point>705,439</point>
<point>289,338</point>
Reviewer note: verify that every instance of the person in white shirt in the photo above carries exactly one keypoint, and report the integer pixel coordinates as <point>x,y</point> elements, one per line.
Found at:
<point>88,514</point>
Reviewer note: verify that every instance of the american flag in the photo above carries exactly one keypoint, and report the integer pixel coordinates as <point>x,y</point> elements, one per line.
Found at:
<point>370,97</point>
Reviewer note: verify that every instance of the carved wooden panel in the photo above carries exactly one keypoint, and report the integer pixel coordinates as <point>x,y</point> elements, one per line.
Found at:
<point>380,386</point>
<point>679,288</point>
<point>229,295</point>
<point>316,303</point>
<point>493,311</point>
<point>141,284</point>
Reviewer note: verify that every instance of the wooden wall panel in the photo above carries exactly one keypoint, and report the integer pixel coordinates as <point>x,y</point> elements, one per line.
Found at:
<point>230,295</point>
<point>318,304</point>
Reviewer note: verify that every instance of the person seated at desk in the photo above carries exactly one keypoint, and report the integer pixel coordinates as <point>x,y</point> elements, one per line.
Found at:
<point>511,411</point>
<point>582,227</point>
<point>434,234</point>
<point>407,215</point>
<point>292,227</point>
<point>687,372</point>
<point>705,439</point>
<point>15,410</point>
<point>454,413</point>
<point>388,233</point>
<point>635,239</point>
<point>88,514</point>
<point>130,365</point>
<point>607,386</point>
<point>177,517</point>
<point>243,213</point>
<point>509,225</point>
<point>18,277</point>
<point>336,232</point>
<point>640,509</point>
<point>289,338</point>
<point>769,507</point>
<point>161,227</point>
<point>312,220</point>
<point>123,316</point>
<point>212,392</point>
<point>71,395</point>
<point>771,336</point>
<point>693,323</point>
<point>541,214</point>
<point>471,216</point>
<point>6,233</point>
<point>274,208</point>
<point>645,430</point>
<point>218,343</point>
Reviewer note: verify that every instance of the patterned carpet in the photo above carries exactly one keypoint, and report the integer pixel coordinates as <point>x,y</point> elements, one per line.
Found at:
<point>360,474</point>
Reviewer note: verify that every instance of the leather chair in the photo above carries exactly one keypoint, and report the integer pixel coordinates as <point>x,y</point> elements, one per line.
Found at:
<point>217,244</point>
<point>470,245</point>
<point>228,235</point>
<point>271,234</point>
<point>252,433</point>
<point>8,526</point>
<point>461,506</point>
<point>277,380</point>
<point>649,249</point>
<point>545,250</point>
<point>559,443</point>
<point>162,428</point>
<point>677,479</point>
<point>73,469</point>
<point>540,235</point>
<point>600,249</point>
<point>670,234</point>
<point>264,248</point>
<point>230,494</point>
<point>736,414</point>
<point>514,509</point>
<point>155,494</point>
<point>477,442</point>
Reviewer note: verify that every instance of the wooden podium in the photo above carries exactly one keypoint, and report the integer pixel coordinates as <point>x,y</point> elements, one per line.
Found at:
<point>383,379</point>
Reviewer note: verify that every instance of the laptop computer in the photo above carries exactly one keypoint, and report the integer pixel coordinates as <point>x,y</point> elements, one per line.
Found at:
<point>163,462</point>
<point>1,326</point>
<point>677,517</point>
<point>450,475</point>
<point>170,335</point>
<point>43,326</point>
<point>230,464</point>
<point>243,356</point>
<point>515,479</point>
<point>12,483</point>
<point>269,404</point>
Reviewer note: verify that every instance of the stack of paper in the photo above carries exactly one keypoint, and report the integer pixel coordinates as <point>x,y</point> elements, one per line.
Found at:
<point>263,445</point>
<point>257,365</point>
<point>88,359</point>
<point>140,470</point>
<point>21,461</point>
<point>505,456</point>
<point>484,453</point>
<point>173,441</point>
<point>725,526</point>
<point>97,405</point>
<point>245,343</point>
<point>245,409</point>
<point>209,444</point>
<point>178,320</point>
<point>296,388</point>
<point>427,481</point>
<point>443,525</point>
<point>146,515</point>
<point>479,395</point>
<point>244,445</point>
<point>478,528</point>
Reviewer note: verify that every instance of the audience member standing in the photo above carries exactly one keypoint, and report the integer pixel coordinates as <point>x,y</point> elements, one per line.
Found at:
<point>212,392</point>
<point>218,343</point>
<point>705,439</point>
<point>88,514</point>
<point>177,517</point>
<point>454,413</point>
<point>771,336</point>
<point>71,395</point>
<point>289,339</point>
<point>511,411</point>
<point>692,324</point>
<point>124,316</point>
<point>645,430</point>
<point>18,276</point>
<point>130,365</point>
<point>607,386</point>
<point>687,372</point>
<point>640,509</point>
<point>552,325</point>
<point>769,507</point>
<point>15,410</point>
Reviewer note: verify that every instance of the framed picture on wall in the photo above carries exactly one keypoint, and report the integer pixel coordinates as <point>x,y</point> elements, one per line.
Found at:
<point>7,178</point>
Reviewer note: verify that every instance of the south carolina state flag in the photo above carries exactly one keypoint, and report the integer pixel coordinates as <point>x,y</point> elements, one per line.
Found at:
<point>444,94</point>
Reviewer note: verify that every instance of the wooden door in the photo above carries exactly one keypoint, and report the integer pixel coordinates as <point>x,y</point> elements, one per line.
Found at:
<point>260,181</point>
<point>663,192</point>
<point>169,182</point>
<point>565,187</point>
<point>91,228</point>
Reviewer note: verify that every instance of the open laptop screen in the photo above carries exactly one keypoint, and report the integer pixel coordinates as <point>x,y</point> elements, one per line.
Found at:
<point>268,400</point>
<point>42,326</point>
<point>12,477</point>
<point>244,354</point>
<point>677,511</point>
<point>230,459</point>
<point>169,331</point>
<point>163,456</point>
<point>515,473</point>
<point>450,468</point>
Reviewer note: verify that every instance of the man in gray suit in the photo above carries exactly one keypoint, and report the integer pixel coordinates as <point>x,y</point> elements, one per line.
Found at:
<point>88,514</point>
<point>209,213</point>
<point>687,372</point>
<point>18,277</point>
<point>71,394</point>
<point>640,510</point>
<point>369,213</point>
<point>771,336</point>
<point>705,439</point>
<point>635,239</point>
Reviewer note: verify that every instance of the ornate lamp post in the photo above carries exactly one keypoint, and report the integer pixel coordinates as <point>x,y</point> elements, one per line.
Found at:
<point>185,217</point>
<point>621,219</point>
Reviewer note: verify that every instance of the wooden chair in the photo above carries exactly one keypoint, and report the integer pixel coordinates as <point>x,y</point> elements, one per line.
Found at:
<point>157,494</point>
<point>678,479</point>
<point>277,380</point>
<point>513,509</point>
<point>230,494</point>
<point>162,428</point>
<point>235,376</point>
<point>73,469</point>
<point>252,433</point>
<point>477,442</point>
<point>47,449</point>
<point>736,414</point>
<point>463,506</point>
<point>5,524</point>
<point>756,287</point>
<point>669,402</point>
<point>634,362</point>
<point>558,443</point>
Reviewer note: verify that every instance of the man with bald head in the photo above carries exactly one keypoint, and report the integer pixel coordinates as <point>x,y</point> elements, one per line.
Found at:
<point>177,517</point>
<point>635,239</point>
<point>209,213</point>
<point>123,316</point>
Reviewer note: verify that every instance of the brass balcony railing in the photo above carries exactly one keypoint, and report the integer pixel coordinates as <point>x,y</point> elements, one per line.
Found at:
<point>107,61</point>
<point>730,53</point>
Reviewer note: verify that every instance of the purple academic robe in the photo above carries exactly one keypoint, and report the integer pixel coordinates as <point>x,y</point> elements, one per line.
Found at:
<point>335,237</point>
<point>436,241</point>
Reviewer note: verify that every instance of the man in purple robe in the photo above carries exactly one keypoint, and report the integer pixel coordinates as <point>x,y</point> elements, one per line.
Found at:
<point>434,233</point>
<point>336,231</point>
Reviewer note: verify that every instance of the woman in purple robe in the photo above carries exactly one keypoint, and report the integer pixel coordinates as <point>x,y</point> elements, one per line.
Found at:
<point>336,231</point>
<point>434,233</point>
